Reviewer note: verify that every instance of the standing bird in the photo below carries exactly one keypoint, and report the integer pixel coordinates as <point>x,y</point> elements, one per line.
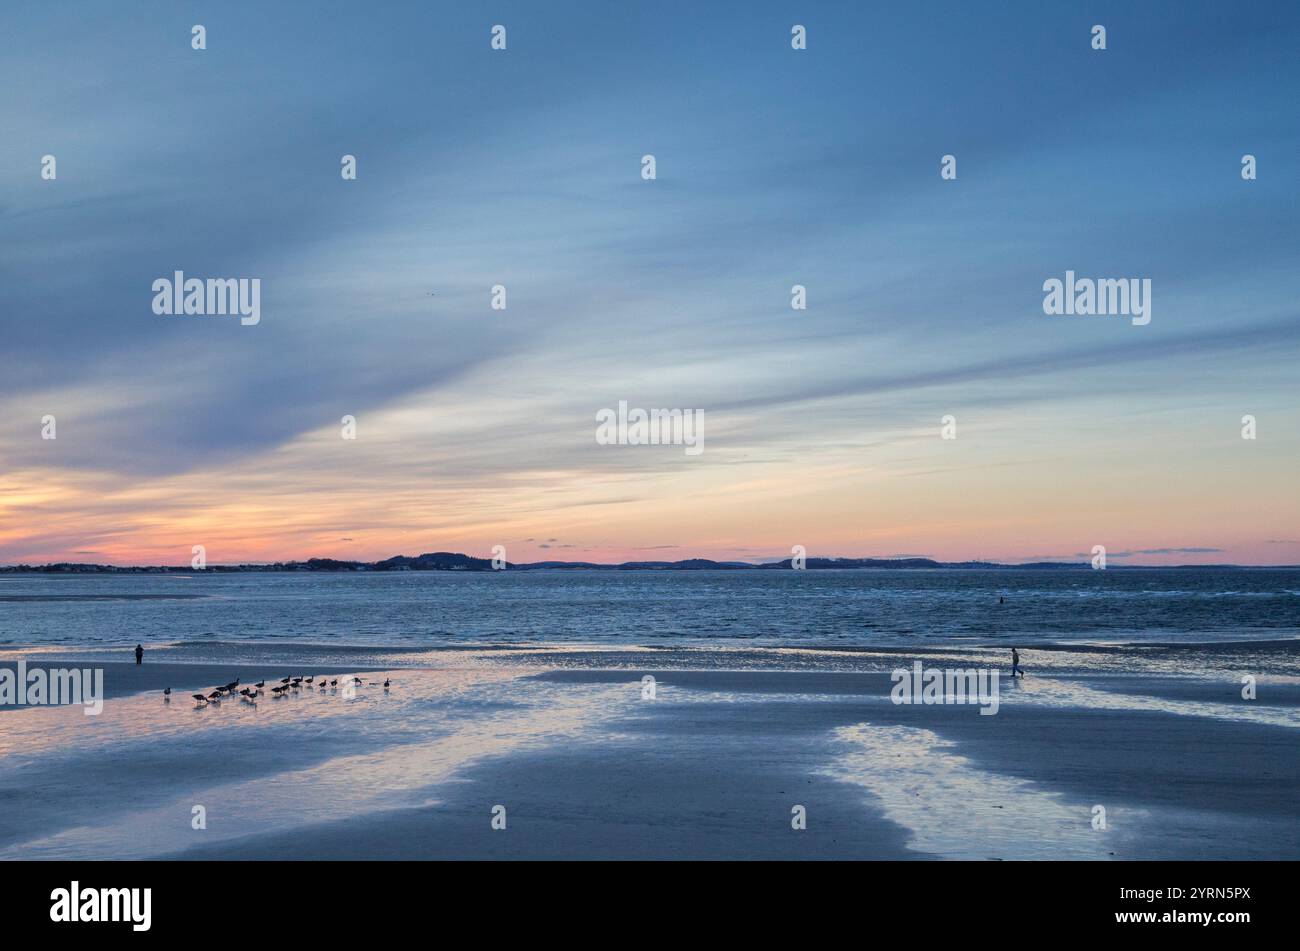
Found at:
<point>285,680</point>
<point>167,692</point>
<point>230,687</point>
<point>215,695</point>
<point>199,697</point>
<point>334,683</point>
<point>260,684</point>
<point>387,683</point>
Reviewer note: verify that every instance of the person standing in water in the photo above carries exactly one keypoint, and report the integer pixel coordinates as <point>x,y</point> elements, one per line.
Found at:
<point>1015,664</point>
<point>139,655</point>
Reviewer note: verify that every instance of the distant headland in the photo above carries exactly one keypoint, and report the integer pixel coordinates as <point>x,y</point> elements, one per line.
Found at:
<point>454,561</point>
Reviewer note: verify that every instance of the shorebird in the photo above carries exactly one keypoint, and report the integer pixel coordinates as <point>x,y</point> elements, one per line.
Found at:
<point>309,679</point>
<point>334,683</point>
<point>260,684</point>
<point>215,695</point>
<point>387,683</point>
<point>199,697</point>
<point>232,685</point>
<point>356,680</point>
<point>167,691</point>
<point>285,680</point>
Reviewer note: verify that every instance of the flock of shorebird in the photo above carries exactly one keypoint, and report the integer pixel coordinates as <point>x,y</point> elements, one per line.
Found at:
<point>249,694</point>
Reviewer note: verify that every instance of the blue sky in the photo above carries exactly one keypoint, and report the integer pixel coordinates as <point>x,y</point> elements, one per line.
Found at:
<point>775,167</point>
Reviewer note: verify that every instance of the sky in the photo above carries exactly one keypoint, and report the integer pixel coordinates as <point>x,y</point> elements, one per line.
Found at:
<point>522,167</point>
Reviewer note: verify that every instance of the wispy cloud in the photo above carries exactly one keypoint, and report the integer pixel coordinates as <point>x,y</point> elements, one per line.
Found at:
<point>476,425</point>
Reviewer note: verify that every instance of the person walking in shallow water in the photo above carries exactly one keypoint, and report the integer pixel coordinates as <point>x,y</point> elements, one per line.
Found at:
<point>1015,664</point>
<point>139,655</point>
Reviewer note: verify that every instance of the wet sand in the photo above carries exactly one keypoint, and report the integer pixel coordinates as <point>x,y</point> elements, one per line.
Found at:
<point>711,767</point>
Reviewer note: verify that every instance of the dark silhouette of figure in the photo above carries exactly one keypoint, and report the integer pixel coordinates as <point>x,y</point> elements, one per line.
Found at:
<point>1001,600</point>
<point>1015,663</point>
<point>139,655</point>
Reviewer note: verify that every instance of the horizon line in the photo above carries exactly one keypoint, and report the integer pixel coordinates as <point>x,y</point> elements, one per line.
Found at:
<point>597,565</point>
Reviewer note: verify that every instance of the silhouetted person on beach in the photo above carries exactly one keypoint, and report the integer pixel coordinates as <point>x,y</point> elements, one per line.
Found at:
<point>139,655</point>
<point>1015,663</point>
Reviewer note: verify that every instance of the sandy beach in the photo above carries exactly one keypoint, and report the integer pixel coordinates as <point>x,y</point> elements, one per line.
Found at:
<point>714,764</point>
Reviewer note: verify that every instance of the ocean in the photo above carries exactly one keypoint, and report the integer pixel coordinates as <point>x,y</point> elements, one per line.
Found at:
<point>811,608</point>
